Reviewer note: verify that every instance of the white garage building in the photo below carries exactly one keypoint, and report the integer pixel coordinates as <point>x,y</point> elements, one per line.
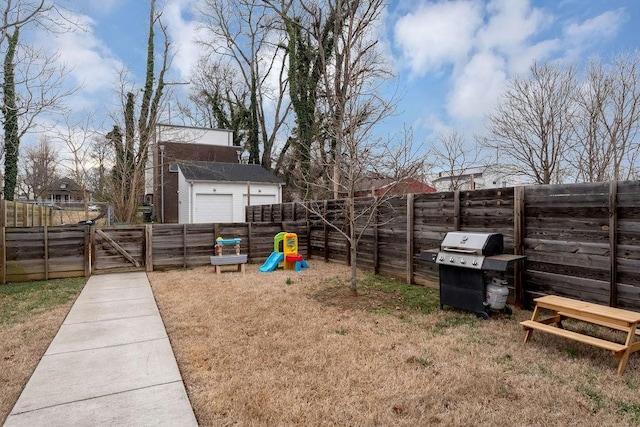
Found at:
<point>212,192</point>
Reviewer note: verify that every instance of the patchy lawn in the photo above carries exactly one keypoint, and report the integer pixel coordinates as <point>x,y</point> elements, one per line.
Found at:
<point>288,348</point>
<point>30,316</point>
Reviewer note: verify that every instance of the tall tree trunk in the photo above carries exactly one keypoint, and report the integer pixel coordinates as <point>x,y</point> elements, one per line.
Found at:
<point>10,113</point>
<point>254,144</point>
<point>353,242</point>
<point>129,172</point>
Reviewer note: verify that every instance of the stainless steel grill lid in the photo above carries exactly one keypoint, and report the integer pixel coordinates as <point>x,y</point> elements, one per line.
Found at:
<point>473,243</point>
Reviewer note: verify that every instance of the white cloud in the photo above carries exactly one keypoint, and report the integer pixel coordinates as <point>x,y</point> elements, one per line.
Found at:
<point>582,36</point>
<point>486,43</point>
<point>477,88</point>
<point>183,34</point>
<point>605,25</point>
<point>520,60</point>
<point>511,23</point>
<point>438,33</point>
<point>90,61</point>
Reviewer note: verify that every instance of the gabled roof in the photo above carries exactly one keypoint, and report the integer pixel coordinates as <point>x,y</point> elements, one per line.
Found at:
<point>230,172</point>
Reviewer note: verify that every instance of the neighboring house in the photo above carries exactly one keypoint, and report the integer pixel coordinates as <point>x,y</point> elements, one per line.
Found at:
<point>476,178</point>
<point>219,192</point>
<point>62,191</point>
<point>179,147</point>
<point>388,186</point>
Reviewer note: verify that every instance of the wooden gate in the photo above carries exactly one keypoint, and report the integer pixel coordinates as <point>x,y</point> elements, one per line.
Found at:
<point>120,248</point>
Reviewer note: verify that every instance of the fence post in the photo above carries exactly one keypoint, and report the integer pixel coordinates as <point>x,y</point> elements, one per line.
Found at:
<point>3,213</point>
<point>93,246</point>
<point>87,251</point>
<point>409,239</point>
<point>456,210</point>
<point>326,232</point>
<point>347,216</point>
<point>376,270</point>
<point>249,231</point>
<point>184,245</point>
<point>613,243</point>
<point>518,244</point>
<point>46,253</point>
<point>3,252</point>
<point>148,247</point>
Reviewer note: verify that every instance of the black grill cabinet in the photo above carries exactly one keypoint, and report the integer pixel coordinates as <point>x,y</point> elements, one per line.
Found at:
<point>463,260</point>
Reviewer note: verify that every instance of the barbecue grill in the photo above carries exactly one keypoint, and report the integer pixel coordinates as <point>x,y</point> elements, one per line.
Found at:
<point>463,259</point>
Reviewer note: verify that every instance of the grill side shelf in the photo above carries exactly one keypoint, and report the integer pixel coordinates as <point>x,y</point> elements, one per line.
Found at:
<point>430,255</point>
<point>500,262</point>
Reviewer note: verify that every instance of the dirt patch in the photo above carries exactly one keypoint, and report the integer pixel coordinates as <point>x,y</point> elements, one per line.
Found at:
<point>288,348</point>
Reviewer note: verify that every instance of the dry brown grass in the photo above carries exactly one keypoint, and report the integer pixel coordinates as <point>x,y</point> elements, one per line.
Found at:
<point>29,320</point>
<point>255,351</point>
<point>69,216</point>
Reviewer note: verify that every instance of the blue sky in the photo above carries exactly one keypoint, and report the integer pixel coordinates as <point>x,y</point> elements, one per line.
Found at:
<point>452,59</point>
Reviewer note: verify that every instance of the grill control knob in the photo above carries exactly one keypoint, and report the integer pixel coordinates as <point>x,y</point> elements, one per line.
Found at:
<point>441,258</point>
<point>475,262</point>
<point>452,259</point>
<point>463,261</point>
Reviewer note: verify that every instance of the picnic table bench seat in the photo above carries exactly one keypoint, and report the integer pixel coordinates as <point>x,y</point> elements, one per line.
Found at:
<point>562,308</point>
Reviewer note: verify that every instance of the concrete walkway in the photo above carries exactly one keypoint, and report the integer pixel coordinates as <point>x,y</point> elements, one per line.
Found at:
<point>110,364</point>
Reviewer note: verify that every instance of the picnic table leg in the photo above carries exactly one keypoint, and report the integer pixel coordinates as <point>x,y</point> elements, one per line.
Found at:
<point>529,332</point>
<point>625,357</point>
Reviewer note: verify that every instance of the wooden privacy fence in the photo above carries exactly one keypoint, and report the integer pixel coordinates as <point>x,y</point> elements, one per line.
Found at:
<point>42,253</point>
<point>581,240</point>
<point>17,214</point>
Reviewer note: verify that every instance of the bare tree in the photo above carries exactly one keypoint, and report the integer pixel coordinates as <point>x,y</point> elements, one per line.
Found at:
<point>39,168</point>
<point>593,157</point>
<point>32,81</point>
<point>243,36</point>
<point>608,120</point>
<point>78,163</point>
<point>218,99</point>
<point>351,72</point>
<point>621,117</point>
<point>131,141</point>
<point>17,13</point>
<point>454,158</point>
<point>101,155</point>
<point>533,124</point>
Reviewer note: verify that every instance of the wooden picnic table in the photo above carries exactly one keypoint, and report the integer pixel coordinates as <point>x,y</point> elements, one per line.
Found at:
<point>566,308</point>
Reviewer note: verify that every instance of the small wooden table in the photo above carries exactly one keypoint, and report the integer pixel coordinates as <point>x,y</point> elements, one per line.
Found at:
<point>567,308</point>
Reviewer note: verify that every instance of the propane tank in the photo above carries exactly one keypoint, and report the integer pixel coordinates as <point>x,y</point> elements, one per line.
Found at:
<point>497,294</point>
